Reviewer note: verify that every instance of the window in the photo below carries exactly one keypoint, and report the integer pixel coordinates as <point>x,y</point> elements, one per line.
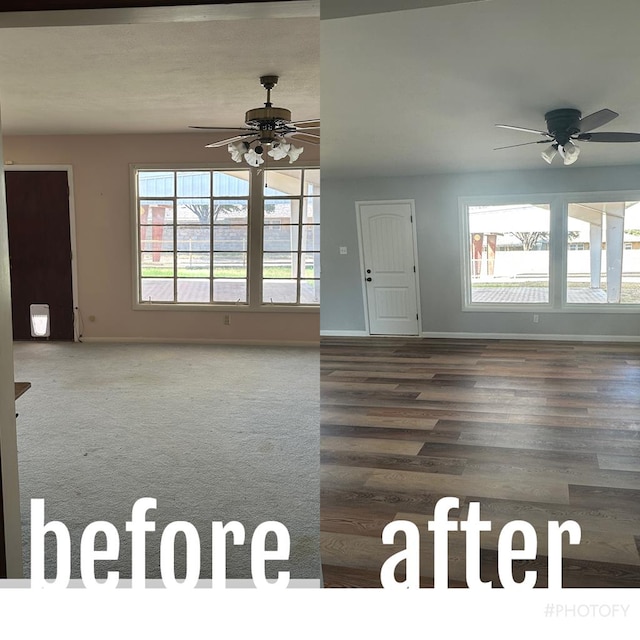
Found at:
<point>227,237</point>
<point>559,253</point>
<point>606,269</point>
<point>509,254</point>
<point>291,249</point>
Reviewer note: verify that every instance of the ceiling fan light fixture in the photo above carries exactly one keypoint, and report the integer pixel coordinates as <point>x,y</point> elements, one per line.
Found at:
<point>266,128</point>
<point>550,153</point>
<point>279,150</point>
<point>569,152</point>
<point>237,150</point>
<point>294,153</point>
<point>254,159</point>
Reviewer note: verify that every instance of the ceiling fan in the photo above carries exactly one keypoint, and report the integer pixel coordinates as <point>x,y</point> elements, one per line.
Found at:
<point>565,127</point>
<point>267,127</point>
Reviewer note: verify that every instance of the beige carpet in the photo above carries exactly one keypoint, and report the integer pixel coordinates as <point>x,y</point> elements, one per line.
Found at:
<point>214,433</point>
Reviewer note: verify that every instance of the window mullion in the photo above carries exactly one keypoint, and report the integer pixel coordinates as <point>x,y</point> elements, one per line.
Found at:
<point>254,244</point>
<point>558,252</point>
<point>299,283</point>
<point>175,237</point>
<point>138,236</point>
<point>211,247</point>
<point>299,256</point>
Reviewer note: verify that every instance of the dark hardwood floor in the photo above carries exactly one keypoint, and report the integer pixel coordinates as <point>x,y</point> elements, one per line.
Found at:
<point>532,430</point>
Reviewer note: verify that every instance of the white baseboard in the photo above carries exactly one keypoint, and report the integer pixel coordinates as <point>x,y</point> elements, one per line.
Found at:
<point>336,333</point>
<point>251,343</point>
<point>343,334</point>
<point>529,336</point>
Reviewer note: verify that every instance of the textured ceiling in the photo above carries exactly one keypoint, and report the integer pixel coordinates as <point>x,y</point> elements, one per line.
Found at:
<point>424,88</point>
<point>156,70</point>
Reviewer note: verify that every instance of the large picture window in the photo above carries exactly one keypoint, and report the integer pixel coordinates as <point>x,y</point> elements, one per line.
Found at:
<point>227,237</point>
<point>509,253</point>
<point>562,252</point>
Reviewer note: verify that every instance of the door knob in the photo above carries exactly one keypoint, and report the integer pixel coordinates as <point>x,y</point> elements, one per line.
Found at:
<point>368,279</point>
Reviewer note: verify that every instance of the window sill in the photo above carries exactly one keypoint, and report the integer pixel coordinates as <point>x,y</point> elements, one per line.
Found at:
<point>227,308</point>
<point>565,308</point>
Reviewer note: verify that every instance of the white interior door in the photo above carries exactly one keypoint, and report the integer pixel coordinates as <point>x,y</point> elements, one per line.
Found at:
<point>387,251</point>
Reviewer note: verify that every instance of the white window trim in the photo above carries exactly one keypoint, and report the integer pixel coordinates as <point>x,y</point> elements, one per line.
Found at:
<point>463,204</point>
<point>558,203</point>
<point>254,254</point>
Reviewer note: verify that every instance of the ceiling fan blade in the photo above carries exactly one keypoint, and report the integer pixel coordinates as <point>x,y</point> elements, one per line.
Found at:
<point>305,137</point>
<point>306,124</point>
<point>609,136</point>
<point>222,143</point>
<point>597,119</point>
<point>522,144</point>
<point>508,126</point>
<point>223,128</point>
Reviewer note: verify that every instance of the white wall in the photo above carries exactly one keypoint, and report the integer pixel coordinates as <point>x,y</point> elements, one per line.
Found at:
<point>438,230</point>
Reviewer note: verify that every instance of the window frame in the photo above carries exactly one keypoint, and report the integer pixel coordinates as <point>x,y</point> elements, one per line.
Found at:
<point>463,205</point>
<point>254,244</point>
<point>558,250</point>
<point>302,199</point>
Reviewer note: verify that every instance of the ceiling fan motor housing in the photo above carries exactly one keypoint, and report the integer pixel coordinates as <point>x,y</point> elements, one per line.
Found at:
<point>562,124</point>
<point>268,117</point>
<point>270,122</point>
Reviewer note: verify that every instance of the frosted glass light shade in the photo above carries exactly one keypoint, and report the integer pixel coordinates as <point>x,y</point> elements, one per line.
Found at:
<point>237,150</point>
<point>279,151</point>
<point>549,154</point>
<point>571,153</point>
<point>253,158</point>
<point>294,153</point>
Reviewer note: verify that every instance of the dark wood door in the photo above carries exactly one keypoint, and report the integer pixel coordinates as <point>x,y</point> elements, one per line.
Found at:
<point>40,250</point>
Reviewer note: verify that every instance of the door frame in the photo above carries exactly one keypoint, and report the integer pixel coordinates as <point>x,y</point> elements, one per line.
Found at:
<point>72,230</point>
<point>412,207</point>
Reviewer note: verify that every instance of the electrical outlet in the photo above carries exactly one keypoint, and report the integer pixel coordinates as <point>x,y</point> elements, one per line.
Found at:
<point>536,317</point>
<point>227,319</point>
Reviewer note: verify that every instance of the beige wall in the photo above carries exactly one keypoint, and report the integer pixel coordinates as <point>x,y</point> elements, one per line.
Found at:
<point>104,235</point>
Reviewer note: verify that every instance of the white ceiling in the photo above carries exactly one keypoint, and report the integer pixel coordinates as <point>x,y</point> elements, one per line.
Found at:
<point>420,91</point>
<point>156,70</point>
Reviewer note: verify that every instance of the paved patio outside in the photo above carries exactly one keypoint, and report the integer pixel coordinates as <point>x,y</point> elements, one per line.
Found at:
<point>532,295</point>
<point>198,291</point>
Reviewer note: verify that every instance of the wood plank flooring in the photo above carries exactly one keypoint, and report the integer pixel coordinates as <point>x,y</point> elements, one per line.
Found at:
<point>532,430</point>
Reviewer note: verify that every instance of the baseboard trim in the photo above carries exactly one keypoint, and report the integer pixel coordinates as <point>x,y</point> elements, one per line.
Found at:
<point>248,343</point>
<point>529,336</point>
<point>337,333</point>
